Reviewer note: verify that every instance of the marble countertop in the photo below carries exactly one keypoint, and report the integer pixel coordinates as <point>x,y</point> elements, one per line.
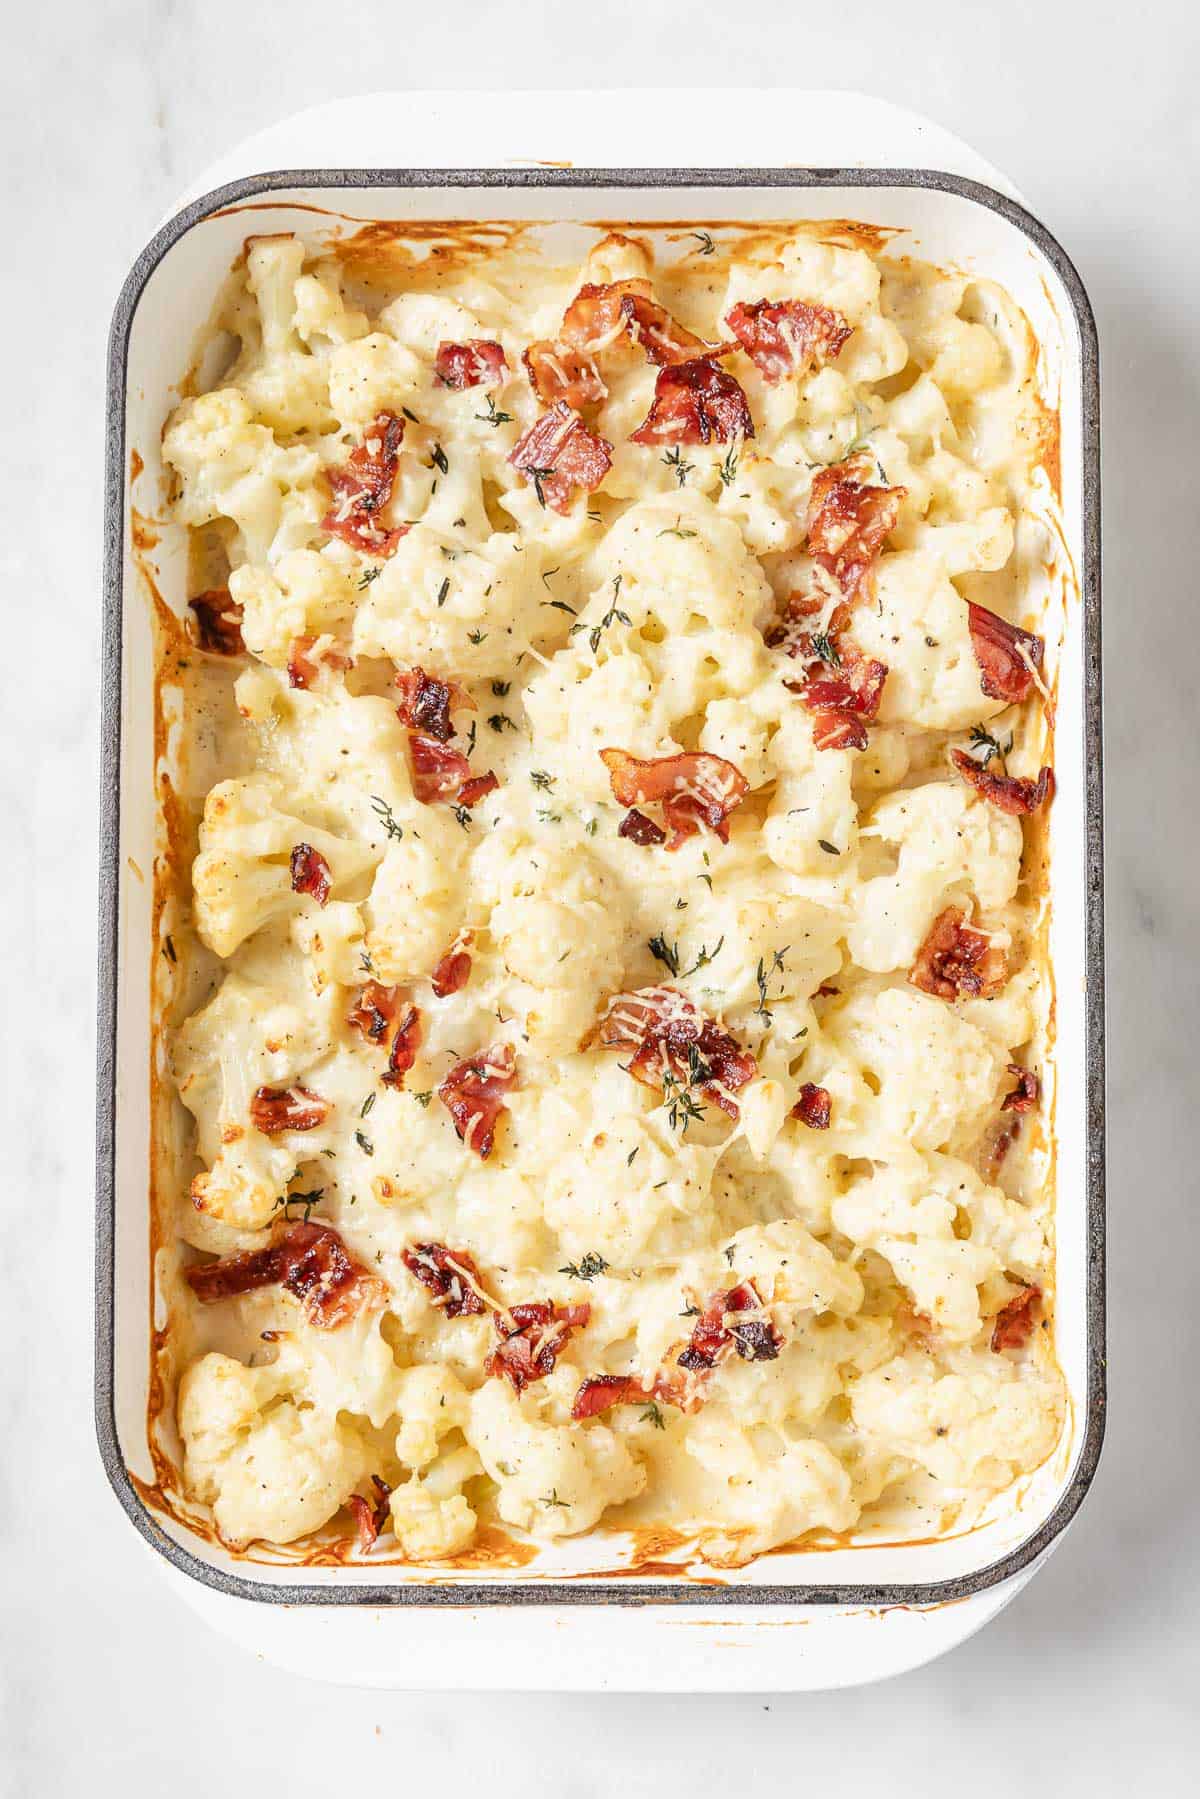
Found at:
<point>106,1680</point>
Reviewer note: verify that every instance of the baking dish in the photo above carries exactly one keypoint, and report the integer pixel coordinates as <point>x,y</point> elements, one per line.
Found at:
<point>943,218</point>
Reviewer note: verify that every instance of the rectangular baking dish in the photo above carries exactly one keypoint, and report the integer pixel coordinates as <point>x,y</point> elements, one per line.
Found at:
<point>162,309</point>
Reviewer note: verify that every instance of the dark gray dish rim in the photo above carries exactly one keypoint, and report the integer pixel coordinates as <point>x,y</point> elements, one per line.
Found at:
<point>802,181</point>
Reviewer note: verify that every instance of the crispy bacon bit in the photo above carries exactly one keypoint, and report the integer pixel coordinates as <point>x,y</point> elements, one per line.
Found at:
<point>787,337</point>
<point>274,1110</point>
<point>841,697</point>
<point>1007,656</point>
<point>454,970</point>
<point>695,403</point>
<point>374,1011</point>
<point>557,372</point>
<point>310,1260</point>
<point>814,1107</point>
<point>304,666</point>
<point>1015,1321</point>
<point>405,1044</point>
<point>694,789</point>
<point>640,829</point>
<point>371,1519</point>
<point>1011,793</point>
<point>1028,1090</point>
<point>532,1337</point>
<point>600,1392</point>
<point>363,488</point>
<point>218,622</point>
<point>724,1325</point>
<point>670,1036</point>
<point>440,773</point>
<point>559,453</point>
<point>956,961</point>
<point>598,315</point>
<point>848,522</point>
<point>450,1276</point>
<point>476,789</point>
<point>426,703</point>
<point>479,362</point>
<point>310,873</point>
<point>473,1094</point>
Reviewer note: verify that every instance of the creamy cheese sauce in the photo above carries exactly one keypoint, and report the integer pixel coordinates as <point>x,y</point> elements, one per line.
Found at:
<point>853,1269</point>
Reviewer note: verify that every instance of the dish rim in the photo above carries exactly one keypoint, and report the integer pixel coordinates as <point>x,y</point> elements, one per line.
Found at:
<point>584,1591</point>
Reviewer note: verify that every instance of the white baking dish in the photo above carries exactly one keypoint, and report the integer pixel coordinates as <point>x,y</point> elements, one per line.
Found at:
<point>445,1628</point>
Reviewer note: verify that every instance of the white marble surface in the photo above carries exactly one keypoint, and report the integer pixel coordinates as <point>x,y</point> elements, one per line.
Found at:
<point>107,1682</point>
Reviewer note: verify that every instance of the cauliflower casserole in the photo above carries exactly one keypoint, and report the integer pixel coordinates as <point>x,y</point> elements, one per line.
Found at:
<point>609,1001</point>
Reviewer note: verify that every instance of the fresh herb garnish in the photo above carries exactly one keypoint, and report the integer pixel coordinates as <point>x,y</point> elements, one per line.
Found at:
<point>307,1200</point>
<point>705,957</point>
<point>438,459</point>
<point>463,815</point>
<point>762,976</point>
<point>984,746</point>
<point>541,779</point>
<point>553,1499</point>
<point>587,1268</point>
<point>539,475</point>
<point>501,722</point>
<point>704,239</point>
<point>424,1098</point>
<point>168,949</point>
<point>500,688</point>
<point>443,592</point>
<point>729,468</point>
<point>674,531</point>
<point>666,953</point>
<point>674,460</point>
<point>653,1416</point>
<point>368,575</point>
<point>491,416</point>
<point>364,1143</point>
<point>367,1104</point>
<point>831,849</point>
<point>386,817</point>
<point>824,647</point>
<point>614,612</point>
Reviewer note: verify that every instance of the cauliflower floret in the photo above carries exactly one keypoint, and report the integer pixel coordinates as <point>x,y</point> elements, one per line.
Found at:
<point>416,902</point>
<point>373,374</point>
<point>765,1489</point>
<point>557,1479</point>
<point>948,845</point>
<point>242,877</point>
<point>270,1466</point>
<point>307,594</point>
<point>247,1036</point>
<point>813,803</point>
<point>932,1078</point>
<point>918,627</point>
<point>684,566</point>
<point>428,1528</point>
<point>231,467</point>
<point>467,612</point>
<point>333,939</point>
<point>431,1402</point>
<point>978,1425</point>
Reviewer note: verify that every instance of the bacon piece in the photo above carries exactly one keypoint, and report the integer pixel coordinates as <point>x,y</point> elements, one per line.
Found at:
<point>448,1274</point>
<point>480,362</point>
<point>1011,793</point>
<point>532,1337</point>
<point>310,1260</point>
<point>787,337</point>
<point>454,970</point>
<point>723,1326</point>
<point>304,667</point>
<point>473,1094</point>
<point>559,453</point>
<point>600,1392</point>
<point>640,829</point>
<point>1027,1092</point>
<point>371,1519</point>
<point>440,773</point>
<point>557,372</point>
<point>955,961</point>
<point>669,1035</point>
<point>374,1011</point>
<point>694,789</point>
<point>310,873</point>
<point>695,403</point>
<point>363,488</point>
<point>1007,656</point>
<point>663,338</point>
<point>1015,1321</point>
<point>842,696</point>
<point>405,1044</point>
<point>274,1110</point>
<point>218,622</point>
<point>426,703</point>
<point>476,789</point>
<point>848,522</point>
<point>599,314</point>
<point>814,1107</point>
